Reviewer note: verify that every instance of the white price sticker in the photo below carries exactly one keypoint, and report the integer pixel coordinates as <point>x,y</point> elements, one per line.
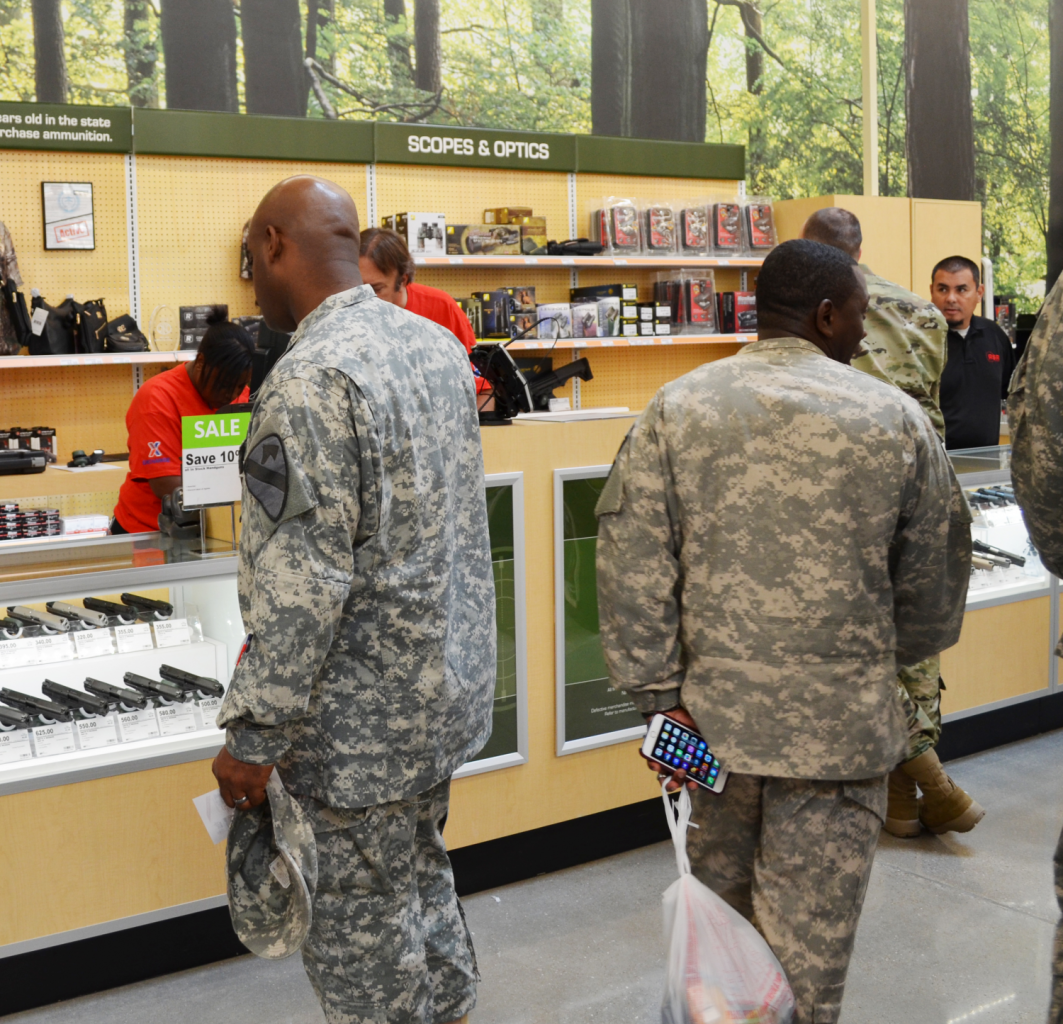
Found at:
<point>134,638</point>
<point>39,319</point>
<point>456,261</point>
<point>91,643</point>
<point>57,738</point>
<point>16,653</point>
<point>172,633</point>
<point>137,725</point>
<point>175,719</point>
<point>48,649</point>
<point>15,746</point>
<point>94,733</point>
<point>208,712</point>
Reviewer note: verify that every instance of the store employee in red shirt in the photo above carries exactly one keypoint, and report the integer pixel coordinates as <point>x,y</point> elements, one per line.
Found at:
<point>219,375</point>
<point>386,264</point>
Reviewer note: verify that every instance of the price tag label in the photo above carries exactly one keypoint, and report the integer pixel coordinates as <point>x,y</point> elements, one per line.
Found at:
<point>567,262</point>
<point>15,746</point>
<point>91,643</point>
<point>57,738</point>
<point>531,261</point>
<point>419,261</point>
<point>619,263</point>
<point>723,263</point>
<point>48,649</point>
<point>94,733</point>
<point>456,261</point>
<point>175,719</point>
<point>16,653</point>
<point>172,633</point>
<point>38,320</point>
<point>134,638</point>
<point>606,343</point>
<point>208,711</point>
<point>137,725</point>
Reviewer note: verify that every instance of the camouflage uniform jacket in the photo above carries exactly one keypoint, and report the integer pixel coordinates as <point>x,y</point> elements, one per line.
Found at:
<point>778,533</point>
<point>1035,416</point>
<point>365,566</point>
<point>906,344</point>
<point>8,272</point>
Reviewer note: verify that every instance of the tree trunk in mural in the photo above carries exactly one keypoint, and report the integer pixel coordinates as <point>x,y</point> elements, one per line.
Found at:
<point>49,58</point>
<point>668,69</point>
<point>648,68</point>
<point>611,67</point>
<point>426,39</point>
<point>273,60</point>
<point>398,43</point>
<point>140,54</point>
<point>937,60</point>
<point>1055,131</point>
<point>753,23</point>
<point>199,44</point>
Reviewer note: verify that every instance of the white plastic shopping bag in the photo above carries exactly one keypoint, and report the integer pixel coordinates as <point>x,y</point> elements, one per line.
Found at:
<point>720,969</point>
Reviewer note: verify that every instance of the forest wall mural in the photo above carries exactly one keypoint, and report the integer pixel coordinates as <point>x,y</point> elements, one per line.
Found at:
<point>964,86</point>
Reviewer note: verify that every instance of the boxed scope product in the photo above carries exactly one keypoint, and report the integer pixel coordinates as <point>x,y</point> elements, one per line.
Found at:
<point>560,316</point>
<point>609,317</point>
<point>388,222</point>
<point>738,312</point>
<point>521,299</point>
<point>585,320</point>
<point>425,233</point>
<point>629,328</point>
<point>483,240</point>
<point>473,311</point>
<point>507,215</point>
<point>523,325</point>
<point>494,313</point>
<point>533,239</point>
<point>604,291</point>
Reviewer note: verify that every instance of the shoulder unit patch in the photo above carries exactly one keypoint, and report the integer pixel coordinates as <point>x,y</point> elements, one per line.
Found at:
<point>266,472</point>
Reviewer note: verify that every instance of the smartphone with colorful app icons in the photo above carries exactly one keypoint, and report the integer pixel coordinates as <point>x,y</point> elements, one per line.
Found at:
<point>675,747</point>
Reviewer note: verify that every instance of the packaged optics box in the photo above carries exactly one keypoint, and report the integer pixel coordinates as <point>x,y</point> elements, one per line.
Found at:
<point>483,240</point>
<point>424,232</point>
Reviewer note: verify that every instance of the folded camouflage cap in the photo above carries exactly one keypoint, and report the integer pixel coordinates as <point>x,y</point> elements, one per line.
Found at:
<point>272,863</point>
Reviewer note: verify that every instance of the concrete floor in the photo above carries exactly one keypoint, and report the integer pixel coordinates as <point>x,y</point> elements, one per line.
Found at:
<point>955,929</point>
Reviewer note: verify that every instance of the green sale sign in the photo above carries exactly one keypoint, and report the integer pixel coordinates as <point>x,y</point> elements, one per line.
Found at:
<point>210,457</point>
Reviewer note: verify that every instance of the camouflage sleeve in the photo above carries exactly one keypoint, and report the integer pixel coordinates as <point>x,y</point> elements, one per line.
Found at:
<point>930,557</point>
<point>8,259</point>
<point>638,570</point>
<point>301,511</point>
<point>1035,417</point>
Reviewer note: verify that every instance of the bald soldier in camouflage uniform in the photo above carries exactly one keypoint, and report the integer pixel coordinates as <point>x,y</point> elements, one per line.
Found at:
<point>1035,414</point>
<point>365,579</point>
<point>906,345</point>
<point>777,534</point>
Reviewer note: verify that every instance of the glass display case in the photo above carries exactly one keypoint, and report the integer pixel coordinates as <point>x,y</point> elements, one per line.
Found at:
<point>1006,565</point>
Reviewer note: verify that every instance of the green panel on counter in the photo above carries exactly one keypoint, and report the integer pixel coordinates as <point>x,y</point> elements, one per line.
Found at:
<point>66,127</point>
<point>198,133</point>
<point>600,154</point>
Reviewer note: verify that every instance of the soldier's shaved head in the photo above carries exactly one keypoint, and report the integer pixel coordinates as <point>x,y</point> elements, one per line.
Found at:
<point>304,243</point>
<point>837,227</point>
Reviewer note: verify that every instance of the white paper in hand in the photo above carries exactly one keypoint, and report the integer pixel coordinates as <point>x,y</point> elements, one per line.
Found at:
<point>216,816</point>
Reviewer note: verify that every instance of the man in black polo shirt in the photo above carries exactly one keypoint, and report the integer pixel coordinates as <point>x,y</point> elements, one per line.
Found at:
<point>980,358</point>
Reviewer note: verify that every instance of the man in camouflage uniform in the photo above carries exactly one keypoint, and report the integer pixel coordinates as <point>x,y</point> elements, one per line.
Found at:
<point>1035,415</point>
<point>778,533</point>
<point>906,345</point>
<point>365,579</point>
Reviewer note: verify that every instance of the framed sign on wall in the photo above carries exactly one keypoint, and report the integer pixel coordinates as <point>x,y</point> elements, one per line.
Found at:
<point>590,713</point>
<point>68,220</point>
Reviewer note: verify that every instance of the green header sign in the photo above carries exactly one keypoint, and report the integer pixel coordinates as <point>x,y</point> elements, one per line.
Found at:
<point>474,147</point>
<point>603,154</point>
<point>222,430</point>
<point>74,129</point>
<point>196,133</point>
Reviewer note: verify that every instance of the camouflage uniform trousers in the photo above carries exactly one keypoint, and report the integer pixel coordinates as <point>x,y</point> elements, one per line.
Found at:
<point>922,687</point>
<point>388,943</point>
<point>1055,1013</point>
<point>793,856</point>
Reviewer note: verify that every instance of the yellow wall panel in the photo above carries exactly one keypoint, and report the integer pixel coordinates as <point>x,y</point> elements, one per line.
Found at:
<point>1003,652</point>
<point>941,228</point>
<point>190,216</point>
<point>102,272</point>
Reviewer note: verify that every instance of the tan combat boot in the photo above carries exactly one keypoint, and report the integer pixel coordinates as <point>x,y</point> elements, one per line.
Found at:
<point>944,807</point>
<point>902,813</point>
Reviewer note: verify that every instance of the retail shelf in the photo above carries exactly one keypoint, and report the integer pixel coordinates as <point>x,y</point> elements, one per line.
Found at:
<point>99,359</point>
<point>536,344</point>
<point>632,262</point>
